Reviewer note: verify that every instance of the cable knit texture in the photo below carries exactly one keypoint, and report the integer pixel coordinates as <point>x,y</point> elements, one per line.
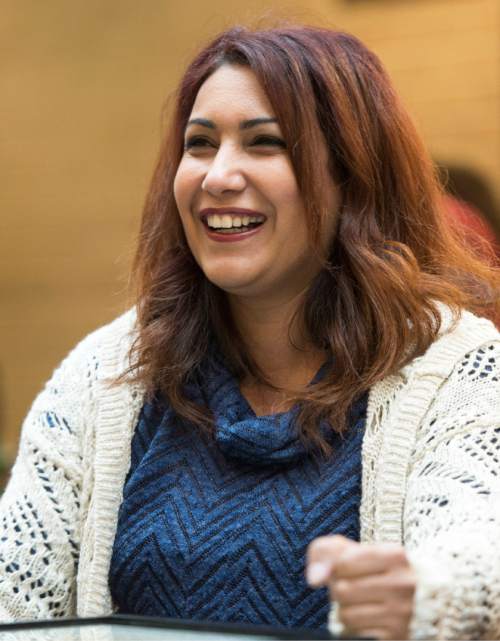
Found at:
<point>430,480</point>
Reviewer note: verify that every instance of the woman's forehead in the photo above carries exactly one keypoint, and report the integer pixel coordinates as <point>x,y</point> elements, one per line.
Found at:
<point>232,90</point>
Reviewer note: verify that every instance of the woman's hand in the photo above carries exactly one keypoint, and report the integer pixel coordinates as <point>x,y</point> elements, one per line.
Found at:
<point>373,584</point>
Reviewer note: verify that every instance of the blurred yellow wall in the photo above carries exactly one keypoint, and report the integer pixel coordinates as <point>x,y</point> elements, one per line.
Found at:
<point>82,83</point>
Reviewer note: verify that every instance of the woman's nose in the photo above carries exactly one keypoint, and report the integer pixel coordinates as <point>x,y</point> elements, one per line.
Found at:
<point>224,174</point>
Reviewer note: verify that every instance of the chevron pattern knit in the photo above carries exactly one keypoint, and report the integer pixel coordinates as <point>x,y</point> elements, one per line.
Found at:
<point>217,529</point>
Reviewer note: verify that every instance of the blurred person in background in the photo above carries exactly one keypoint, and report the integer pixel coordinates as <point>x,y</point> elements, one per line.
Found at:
<point>477,232</point>
<point>469,208</point>
<point>470,197</point>
<point>297,423</point>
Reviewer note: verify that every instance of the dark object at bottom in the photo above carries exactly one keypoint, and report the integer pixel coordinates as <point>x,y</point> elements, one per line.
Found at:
<point>199,629</point>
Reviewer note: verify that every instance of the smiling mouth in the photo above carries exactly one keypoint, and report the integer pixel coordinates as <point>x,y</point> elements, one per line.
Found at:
<point>232,223</point>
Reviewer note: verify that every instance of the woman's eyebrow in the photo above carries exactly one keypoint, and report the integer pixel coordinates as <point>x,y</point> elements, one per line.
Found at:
<point>201,121</point>
<point>246,124</point>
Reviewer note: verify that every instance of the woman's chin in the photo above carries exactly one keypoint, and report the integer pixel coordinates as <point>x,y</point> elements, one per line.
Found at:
<point>235,287</point>
<point>236,283</point>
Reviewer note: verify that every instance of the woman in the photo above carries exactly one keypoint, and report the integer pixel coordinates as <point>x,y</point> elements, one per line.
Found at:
<point>300,373</point>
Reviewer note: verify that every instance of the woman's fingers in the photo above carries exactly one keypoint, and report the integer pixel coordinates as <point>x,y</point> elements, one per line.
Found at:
<point>364,616</point>
<point>362,560</point>
<point>373,584</point>
<point>363,620</point>
<point>348,559</point>
<point>372,589</point>
<point>322,555</point>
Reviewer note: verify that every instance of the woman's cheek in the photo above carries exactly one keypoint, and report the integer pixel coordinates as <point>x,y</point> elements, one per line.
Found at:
<point>187,181</point>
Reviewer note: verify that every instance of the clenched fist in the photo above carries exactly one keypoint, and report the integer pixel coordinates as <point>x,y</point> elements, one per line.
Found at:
<point>372,583</point>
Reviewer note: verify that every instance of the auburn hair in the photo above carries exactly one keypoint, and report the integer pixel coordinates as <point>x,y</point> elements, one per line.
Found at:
<point>375,304</point>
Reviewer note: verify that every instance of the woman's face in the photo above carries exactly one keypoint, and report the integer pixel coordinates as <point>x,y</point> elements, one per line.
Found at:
<point>240,207</point>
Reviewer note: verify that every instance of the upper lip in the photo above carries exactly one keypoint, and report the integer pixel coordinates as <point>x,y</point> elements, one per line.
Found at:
<point>220,211</point>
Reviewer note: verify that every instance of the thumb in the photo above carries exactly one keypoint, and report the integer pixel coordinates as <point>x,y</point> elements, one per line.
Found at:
<point>322,555</point>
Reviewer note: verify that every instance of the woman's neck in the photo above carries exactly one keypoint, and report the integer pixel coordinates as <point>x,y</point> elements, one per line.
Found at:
<point>276,341</point>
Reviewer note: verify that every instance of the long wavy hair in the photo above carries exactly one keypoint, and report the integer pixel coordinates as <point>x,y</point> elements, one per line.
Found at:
<point>375,304</point>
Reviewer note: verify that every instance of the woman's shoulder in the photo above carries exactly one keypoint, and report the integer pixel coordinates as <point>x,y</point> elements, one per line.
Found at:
<point>463,362</point>
<point>106,349</point>
<point>115,334</point>
<point>446,394</point>
<point>457,380</point>
<point>466,323</point>
<point>459,335</point>
<point>83,381</point>
<point>89,369</point>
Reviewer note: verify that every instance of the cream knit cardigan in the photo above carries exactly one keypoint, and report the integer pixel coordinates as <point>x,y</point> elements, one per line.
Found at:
<point>431,480</point>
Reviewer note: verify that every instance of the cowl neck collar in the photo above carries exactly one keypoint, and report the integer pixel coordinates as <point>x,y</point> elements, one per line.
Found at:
<point>239,433</point>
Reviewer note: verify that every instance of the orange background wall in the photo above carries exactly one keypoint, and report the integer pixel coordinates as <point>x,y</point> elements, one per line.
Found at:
<point>82,84</point>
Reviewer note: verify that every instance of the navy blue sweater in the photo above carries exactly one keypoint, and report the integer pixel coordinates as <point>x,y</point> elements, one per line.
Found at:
<point>217,529</point>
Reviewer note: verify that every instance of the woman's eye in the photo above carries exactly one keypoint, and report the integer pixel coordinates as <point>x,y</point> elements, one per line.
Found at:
<point>197,141</point>
<point>271,141</point>
<point>201,142</point>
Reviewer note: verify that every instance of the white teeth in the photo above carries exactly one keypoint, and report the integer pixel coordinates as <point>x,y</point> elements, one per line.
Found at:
<point>226,221</point>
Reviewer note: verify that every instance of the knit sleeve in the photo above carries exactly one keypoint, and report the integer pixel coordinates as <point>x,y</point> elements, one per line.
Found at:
<point>40,510</point>
<point>452,515</point>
